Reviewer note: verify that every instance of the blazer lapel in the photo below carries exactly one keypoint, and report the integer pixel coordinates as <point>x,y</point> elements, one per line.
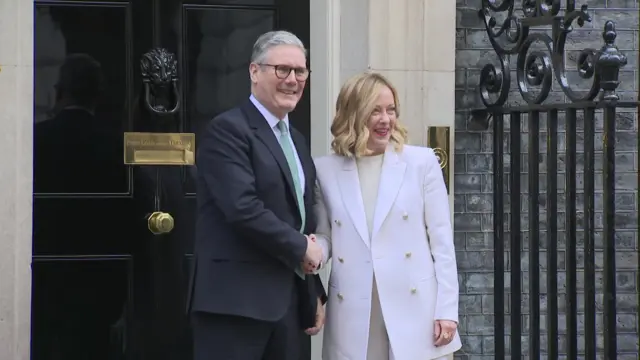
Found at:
<point>263,132</point>
<point>349,184</point>
<point>391,176</point>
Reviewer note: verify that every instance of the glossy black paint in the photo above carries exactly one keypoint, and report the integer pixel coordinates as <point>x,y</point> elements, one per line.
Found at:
<point>104,287</point>
<point>535,70</point>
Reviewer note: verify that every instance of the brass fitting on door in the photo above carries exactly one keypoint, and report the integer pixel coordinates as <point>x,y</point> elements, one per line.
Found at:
<point>160,223</point>
<point>438,139</point>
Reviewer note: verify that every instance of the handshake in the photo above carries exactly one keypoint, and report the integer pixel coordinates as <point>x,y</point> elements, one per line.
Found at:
<point>313,257</point>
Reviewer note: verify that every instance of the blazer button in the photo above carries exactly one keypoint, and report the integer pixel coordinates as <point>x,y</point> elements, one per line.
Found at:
<point>338,222</point>
<point>414,290</point>
<point>407,255</point>
<point>341,259</point>
<point>340,297</point>
<point>405,216</point>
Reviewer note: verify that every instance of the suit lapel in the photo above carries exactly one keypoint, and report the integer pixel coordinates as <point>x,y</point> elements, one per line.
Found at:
<point>263,132</point>
<point>309,171</point>
<point>349,184</point>
<point>391,176</point>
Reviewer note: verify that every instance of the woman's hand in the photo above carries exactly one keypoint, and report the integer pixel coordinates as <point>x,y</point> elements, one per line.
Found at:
<point>320,315</point>
<point>444,331</point>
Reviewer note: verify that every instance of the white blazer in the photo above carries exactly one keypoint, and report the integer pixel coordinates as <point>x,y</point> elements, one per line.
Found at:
<point>417,277</point>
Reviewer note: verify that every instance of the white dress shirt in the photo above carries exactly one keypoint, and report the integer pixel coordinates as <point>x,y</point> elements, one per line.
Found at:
<point>273,123</point>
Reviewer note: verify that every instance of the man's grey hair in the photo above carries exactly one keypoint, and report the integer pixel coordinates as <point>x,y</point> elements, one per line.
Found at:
<point>272,39</point>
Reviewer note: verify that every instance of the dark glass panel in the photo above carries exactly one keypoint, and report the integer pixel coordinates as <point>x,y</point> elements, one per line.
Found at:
<point>232,2</point>
<point>85,226</point>
<point>40,3</point>
<point>217,52</point>
<point>293,15</point>
<point>80,309</point>
<point>80,98</point>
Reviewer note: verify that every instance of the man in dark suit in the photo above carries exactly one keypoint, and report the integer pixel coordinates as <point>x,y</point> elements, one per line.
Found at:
<point>253,293</point>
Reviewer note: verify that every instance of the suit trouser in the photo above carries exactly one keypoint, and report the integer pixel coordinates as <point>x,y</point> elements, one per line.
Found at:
<point>228,337</point>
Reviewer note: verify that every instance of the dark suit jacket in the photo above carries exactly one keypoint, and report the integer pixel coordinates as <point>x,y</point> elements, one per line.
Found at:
<point>247,239</point>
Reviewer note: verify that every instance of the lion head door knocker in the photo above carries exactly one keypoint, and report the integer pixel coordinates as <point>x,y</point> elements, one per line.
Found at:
<point>159,70</point>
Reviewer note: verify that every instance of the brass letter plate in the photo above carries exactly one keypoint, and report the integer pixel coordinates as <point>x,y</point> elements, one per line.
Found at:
<point>438,140</point>
<point>159,148</point>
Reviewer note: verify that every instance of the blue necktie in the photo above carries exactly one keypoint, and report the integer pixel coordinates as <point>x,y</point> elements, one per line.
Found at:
<point>285,143</point>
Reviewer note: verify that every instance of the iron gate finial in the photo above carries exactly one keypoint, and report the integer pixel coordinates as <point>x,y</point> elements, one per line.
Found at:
<point>536,69</point>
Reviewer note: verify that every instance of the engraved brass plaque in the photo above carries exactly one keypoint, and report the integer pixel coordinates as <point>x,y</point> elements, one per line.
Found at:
<point>438,139</point>
<point>159,148</point>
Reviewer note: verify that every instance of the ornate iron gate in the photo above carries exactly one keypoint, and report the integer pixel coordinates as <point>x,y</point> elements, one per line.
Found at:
<point>535,71</point>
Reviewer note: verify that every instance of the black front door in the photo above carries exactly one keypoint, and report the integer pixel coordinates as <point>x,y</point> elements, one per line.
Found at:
<point>105,287</point>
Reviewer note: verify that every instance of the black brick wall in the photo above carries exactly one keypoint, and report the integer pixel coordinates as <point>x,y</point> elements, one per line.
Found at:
<point>473,183</point>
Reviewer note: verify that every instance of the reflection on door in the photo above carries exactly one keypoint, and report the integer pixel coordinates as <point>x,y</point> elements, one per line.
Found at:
<point>83,215</point>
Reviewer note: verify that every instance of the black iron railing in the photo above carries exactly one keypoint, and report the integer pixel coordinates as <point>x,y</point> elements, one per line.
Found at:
<point>535,73</point>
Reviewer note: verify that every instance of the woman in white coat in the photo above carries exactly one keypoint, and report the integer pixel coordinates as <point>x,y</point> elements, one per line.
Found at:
<point>384,220</point>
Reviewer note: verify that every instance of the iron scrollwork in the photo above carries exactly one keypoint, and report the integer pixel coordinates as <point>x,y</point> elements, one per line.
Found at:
<point>535,69</point>
<point>159,70</point>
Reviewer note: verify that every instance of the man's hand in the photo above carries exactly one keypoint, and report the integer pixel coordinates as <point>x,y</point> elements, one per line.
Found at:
<point>313,257</point>
<point>443,332</point>
<point>320,316</point>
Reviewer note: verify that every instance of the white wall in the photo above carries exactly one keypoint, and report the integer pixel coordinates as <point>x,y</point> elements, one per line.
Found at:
<point>16,122</point>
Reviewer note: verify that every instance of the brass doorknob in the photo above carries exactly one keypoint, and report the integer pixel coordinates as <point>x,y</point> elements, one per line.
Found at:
<point>160,223</point>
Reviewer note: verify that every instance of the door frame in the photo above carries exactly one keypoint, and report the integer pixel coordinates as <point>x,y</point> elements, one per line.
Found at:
<point>324,51</point>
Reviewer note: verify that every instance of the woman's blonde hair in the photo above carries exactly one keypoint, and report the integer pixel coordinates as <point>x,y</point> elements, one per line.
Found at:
<point>354,106</point>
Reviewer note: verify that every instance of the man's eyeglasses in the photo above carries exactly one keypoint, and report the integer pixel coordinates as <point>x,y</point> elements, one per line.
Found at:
<point>283,71</point>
